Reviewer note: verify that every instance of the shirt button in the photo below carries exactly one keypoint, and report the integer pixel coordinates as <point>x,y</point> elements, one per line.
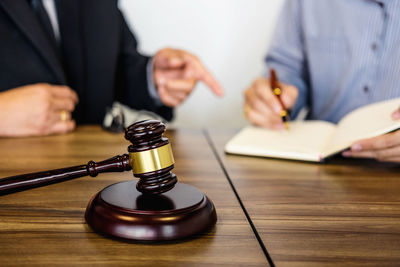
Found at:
<point>374,46</point>
<point>366,89</point>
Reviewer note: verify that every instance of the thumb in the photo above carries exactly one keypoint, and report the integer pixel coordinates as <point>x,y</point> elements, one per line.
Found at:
<point>289,95</point>
<point>167,59</point>
<point>396,114</point>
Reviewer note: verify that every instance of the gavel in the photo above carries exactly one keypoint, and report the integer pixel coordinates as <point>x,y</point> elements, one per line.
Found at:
<point>156,208</point>
<point>150,158</point>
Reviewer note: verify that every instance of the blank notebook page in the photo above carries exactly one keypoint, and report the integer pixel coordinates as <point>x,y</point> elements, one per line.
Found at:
<point>304,140</point>
<point>365,122</point>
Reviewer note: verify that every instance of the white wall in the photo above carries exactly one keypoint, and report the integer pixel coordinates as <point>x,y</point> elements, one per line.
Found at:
<point>231,38</point>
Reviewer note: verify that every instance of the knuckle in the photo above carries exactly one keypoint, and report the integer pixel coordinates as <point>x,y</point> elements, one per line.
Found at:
<point>68,126</point>
<point>43,93</point>
<point>180,100</point>
<point>65,128</point>
<point>70,106</point>
<point>261,87</point>
<point>42,86</point>
<point>195,58</point>
<point>170,85</point>
<point>382,143</point>
<point>251,117</point>
<point>181,96</point>
<point>269,124</point>
<point>166,49</point>
<point>44,119</point>
<point>45,89</point>
<point>43,129</point>
<point>254,119</point>
<point>389,141</point>
<point>381,158</point>
<point>257,83</point>
<point>258,89</point>
<point>67,91</point>
<point>167,101</point>
<point>192,83</point>
<point>45,105</point>
<point>163,94</point>
<point>381,155</point>
<point>258,105</point>
<point>250,99</point>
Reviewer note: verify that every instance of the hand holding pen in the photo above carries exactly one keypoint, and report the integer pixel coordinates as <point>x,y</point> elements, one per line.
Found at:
<point>264,107</point>
<point>277,90</point>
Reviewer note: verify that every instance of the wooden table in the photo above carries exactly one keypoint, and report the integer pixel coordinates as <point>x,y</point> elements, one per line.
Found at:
<point>344,213</point>
<point>46,227</point>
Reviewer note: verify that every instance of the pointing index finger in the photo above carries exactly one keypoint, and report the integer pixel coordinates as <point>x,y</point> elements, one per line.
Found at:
<point>205,76</point>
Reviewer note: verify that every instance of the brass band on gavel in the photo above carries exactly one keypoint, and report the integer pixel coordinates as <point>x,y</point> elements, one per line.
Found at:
<point>151,160</point>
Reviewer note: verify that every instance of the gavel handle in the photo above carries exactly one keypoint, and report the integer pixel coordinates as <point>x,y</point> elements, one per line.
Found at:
<point>17,183</point>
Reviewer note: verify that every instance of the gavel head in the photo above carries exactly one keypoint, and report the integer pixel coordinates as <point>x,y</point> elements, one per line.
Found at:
<point>151,157</point>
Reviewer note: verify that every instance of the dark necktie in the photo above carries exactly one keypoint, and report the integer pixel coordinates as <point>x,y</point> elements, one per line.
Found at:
<point>41,13</point>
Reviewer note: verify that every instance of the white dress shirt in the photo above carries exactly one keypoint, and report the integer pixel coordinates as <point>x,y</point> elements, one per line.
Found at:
<point>50,7</point>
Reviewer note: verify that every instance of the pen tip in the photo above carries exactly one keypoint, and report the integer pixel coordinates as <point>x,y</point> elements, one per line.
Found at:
<point>286,125</point>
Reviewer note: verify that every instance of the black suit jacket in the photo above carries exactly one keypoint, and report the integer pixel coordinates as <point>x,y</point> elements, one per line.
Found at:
<point>98,57</point>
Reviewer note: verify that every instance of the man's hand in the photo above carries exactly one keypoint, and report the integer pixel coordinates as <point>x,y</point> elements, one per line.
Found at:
<point>176,73</point>
<point>262,107</point>
<point>383,148</point>
<point>38,109</point>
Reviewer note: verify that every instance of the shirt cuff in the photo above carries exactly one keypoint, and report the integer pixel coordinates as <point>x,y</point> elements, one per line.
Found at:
<point>150,83</point>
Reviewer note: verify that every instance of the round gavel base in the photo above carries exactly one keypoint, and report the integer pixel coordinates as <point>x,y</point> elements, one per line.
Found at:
<point>120,210</point>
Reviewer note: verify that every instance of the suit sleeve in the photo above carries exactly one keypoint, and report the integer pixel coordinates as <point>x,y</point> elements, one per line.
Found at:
<point>132,76</point>
<point>287,55</point>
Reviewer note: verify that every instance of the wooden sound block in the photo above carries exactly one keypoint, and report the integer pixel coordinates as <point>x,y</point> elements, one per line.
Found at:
<point>122,211</point>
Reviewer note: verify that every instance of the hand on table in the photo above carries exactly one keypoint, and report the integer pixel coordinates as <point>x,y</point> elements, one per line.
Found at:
<point>262,107</point>
<point>383,148</point>
<point>37,109</point>
<point>176,73</point>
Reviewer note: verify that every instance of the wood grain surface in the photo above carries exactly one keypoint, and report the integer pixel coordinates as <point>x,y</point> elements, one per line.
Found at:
<point>45,226</point>
<point>344,213</point>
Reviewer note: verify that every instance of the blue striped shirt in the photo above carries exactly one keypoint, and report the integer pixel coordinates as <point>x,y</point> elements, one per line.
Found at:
<point>341,54</point>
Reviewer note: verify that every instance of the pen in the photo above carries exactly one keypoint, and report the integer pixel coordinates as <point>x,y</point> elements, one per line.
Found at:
<point>278,92</point>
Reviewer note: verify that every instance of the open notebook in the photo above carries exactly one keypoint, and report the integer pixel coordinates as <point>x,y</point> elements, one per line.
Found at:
<point>316,140</point>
